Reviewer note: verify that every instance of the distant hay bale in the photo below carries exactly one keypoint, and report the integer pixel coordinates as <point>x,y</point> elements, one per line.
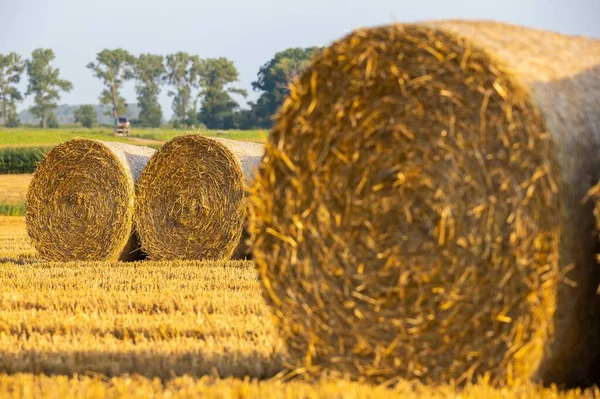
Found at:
<point>191,198</point>
<point>81,199</point>
<point>418,210</point>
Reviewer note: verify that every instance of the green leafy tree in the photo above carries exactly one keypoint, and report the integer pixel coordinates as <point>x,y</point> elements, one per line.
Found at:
<point>217,110</point>
<point>11,69</point>
<point>245,118</point>
<point>274,79</point>
<point>149,71</point>
<point>150,115</point>
<point>182,75</point>
<point>113,67</point>
<point>192,115</point>
<point>86,115</point>
<point>44,83</point>
<point>51,121</point>
<point>13,120</point>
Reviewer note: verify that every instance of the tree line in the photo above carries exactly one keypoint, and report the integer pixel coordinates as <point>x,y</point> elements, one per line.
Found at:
<point>200,88</point>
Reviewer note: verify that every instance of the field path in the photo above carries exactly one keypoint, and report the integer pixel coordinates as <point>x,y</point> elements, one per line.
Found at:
<point>141,141</point>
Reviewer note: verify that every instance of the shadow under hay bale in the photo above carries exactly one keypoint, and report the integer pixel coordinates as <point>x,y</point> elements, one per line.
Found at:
<point>81,199</point>
<point>418,211</point>
<point>191,199</point>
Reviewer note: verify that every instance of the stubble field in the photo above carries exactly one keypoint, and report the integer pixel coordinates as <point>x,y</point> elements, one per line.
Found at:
<point>159,329</point>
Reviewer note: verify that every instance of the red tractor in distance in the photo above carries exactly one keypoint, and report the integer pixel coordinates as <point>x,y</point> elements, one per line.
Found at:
<point>123,127</point>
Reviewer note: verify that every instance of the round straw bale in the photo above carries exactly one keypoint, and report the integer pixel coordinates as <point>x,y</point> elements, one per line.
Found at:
<point>418,211</point>
<point>81,199</point>
<point>191,198</point>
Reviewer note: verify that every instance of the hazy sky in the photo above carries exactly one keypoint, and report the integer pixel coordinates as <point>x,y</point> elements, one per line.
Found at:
<point>248,32</point>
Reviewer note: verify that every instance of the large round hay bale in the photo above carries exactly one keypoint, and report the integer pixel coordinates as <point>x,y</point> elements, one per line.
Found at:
<point>418,210</point>
<point>191,198</point>
<point>593,196</point>
<point>80,201</point>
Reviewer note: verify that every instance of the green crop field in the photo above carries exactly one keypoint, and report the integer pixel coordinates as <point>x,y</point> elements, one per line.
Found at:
<point>34,137</point>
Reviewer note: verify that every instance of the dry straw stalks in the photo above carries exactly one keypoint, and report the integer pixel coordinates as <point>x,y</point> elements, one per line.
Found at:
<point>191,198</point>
<point>418,210</point>
<point>81,199</point>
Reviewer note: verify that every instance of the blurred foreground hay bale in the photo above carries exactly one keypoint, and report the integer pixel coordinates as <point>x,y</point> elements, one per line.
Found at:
<point>191,199</point>
<point>593,196</point>
<point>80,201</point>
<point>418,210</point>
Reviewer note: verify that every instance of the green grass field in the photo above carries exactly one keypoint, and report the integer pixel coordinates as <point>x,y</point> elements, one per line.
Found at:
<point>36,137</point>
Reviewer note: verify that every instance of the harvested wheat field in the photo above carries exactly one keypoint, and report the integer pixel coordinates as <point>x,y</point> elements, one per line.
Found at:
<point>13,188</point>
<point>14,243</point>
<point>418,211</point>
<point>29,386</point>
<point>191,198</point>
<point>160,329</point>
<point>153,319</point>
<point>81,199</point>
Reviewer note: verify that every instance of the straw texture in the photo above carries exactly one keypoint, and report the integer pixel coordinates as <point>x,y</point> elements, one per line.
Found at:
<point>191,201</point>
<point>81,199</point>
<point>418,211</point>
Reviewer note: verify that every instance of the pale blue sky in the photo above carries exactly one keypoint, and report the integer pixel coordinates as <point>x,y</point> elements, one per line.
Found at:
<point>248,32</point>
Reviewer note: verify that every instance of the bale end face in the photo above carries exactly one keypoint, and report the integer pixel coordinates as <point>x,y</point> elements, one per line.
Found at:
<point>405,218</point>
<point>80,201</point>
<point>191,201</point>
